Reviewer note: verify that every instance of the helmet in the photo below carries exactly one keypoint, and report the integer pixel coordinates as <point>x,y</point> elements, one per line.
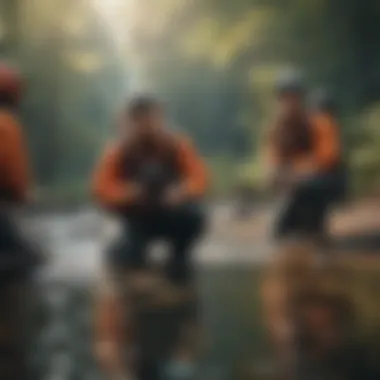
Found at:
<point>142,104</point>
<point>323,100</point>
<point>290,82</point>
<point>10,84</point>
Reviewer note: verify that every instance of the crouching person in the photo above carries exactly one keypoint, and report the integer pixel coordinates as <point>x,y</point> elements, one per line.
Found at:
<point>153,181</point>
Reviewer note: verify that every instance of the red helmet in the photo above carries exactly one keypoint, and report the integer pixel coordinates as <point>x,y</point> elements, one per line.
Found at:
<point>10,83</point>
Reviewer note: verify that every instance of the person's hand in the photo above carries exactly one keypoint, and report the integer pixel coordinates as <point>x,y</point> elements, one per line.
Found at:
<point>282,180</point>
<point>305,172</point>
<point>306,168</point>
<point>135,193</point>
<point>286,179</point>
<point>174,196</point>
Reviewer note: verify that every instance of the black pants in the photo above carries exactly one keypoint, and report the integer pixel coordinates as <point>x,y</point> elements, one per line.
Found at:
<point>18,259</point>
<point>180,227</point>
<point>18,330</point>
<point>305,210</point>
<point>18,256</point>
<point>149,369</point>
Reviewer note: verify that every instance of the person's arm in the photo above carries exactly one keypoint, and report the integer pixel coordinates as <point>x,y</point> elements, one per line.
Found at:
<point>270,154</point>
<point>326,149</point>
<point>195,178</point>
<point>16,162</point>
<point>327,143</point>
<point>278,173</point>
<point>108,188</point>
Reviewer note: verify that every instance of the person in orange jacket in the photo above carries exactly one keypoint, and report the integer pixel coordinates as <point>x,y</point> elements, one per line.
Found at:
<point>17,256</point>
<point>154,181</point>
<point>15,177</point>
<point>305,156</point>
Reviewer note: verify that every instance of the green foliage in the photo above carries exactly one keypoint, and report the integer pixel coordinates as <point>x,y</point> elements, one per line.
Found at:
<point>75,81</point>
<point>365,158</point>
<point>231,55</point>
<point>223,175</point>
<point>214,62</point>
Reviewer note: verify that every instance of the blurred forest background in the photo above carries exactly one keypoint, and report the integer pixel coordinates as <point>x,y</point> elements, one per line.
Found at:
<point>212,62</point>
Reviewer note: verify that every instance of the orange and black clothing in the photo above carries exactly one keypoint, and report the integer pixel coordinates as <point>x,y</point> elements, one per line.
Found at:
<point>15,182</point>
<point>17,256</point>
<point>117,171</point>
<point>172,162</point>
<point>311,148</point>
<point>14,165</point>
<point>312,141</point>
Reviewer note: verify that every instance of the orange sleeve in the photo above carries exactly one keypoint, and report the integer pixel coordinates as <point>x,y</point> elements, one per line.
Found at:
<point>327,142</point>
<point>108,188</point>
<point>16,159</point>
<point>193,169</point>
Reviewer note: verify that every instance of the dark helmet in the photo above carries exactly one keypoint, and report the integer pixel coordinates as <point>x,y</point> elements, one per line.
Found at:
<point>290,82</point>
<point>10,84</point>
<point>324,100</point>
<point>142,104</point>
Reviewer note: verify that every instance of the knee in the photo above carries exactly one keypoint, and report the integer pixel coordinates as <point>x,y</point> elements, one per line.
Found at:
<point>125,254</point>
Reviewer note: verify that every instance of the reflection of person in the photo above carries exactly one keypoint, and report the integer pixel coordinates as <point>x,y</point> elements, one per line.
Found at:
<point>154,181</point>
<point>305,154</point>
<point>17,257</point>
<point>291,271</point>
<point>325,343</point>
<point>311,321</point>
<point>147,327</point>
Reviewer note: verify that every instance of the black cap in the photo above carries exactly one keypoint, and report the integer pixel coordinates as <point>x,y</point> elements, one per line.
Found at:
<point>141,105</point>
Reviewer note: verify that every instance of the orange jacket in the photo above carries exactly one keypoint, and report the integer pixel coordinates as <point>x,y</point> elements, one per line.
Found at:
<point>111,190</point>
<point>14,175</point>
<point>326,146</point>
